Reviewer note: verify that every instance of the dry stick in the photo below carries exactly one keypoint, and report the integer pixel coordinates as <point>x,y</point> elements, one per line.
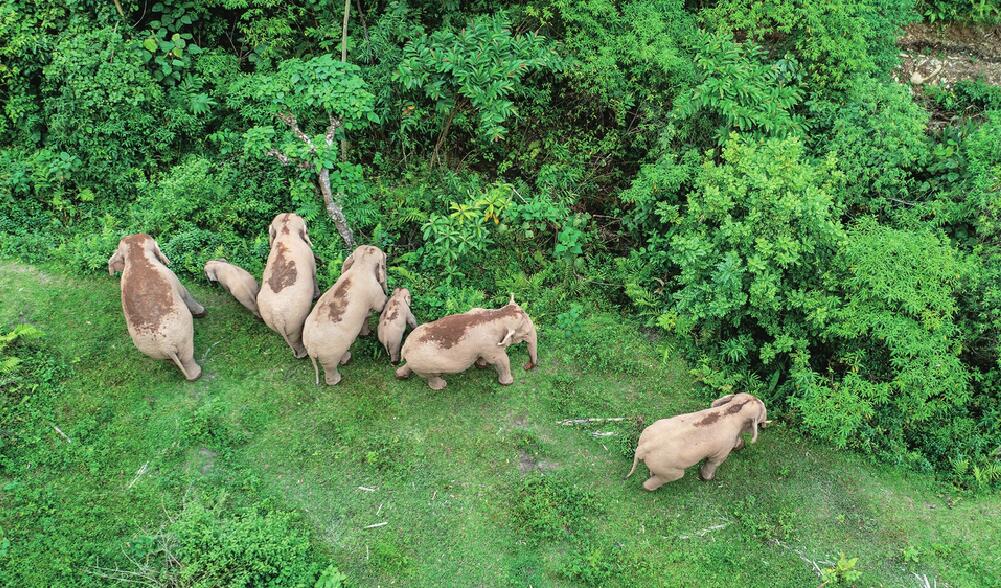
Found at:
<point>569,422</point>
<point>366,489</point>
<point>377,525</point>
<point>61,434</point>
<point>139,473</point>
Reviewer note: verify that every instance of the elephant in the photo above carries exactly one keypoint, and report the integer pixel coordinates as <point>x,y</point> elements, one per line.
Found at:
<point>288,286</point>
<point>451,344</point>
<point>393,323</point>
<point>158,309</point>
<point>237,281</point>
<point>341,314</point>
<point>668,446</point>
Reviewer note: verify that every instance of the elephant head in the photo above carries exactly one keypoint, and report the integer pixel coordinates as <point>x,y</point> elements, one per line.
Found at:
<point>287,224</point>
<point>368,255</point>
<point>116,263</point>
<point>749,408</point>
<point>521,328</point>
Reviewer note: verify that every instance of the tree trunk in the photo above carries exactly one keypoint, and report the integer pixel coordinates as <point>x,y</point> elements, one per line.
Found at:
<point>334,209</point>
<point>344,59</point>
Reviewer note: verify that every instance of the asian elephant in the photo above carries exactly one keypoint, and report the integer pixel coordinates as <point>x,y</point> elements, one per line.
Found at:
<point>393,323</point>
<point>341,314</point>
<point>158,309</point>
<point>288,286</point>
<point>237,281</point>
<point>668,446</point>
<point>451,344</point>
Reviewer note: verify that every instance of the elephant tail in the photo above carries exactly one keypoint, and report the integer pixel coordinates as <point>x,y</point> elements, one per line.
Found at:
<point>316,371</point>
<point>636,459</point>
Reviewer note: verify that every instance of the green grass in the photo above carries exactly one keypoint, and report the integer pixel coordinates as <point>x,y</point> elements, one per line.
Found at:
<point>478,485</point>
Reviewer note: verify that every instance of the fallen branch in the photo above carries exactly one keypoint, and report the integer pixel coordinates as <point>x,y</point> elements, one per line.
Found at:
<point>571,422</point>
<point>139,473</point>
<point>383,523</point>
<point>366,489</point>
<point>61,434</point>
<point>603,433</point>
<point>706,531</point>
<point>923,581</point>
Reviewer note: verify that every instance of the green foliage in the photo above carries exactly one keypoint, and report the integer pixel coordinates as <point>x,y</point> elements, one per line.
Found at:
<point>551,507</point>
<point>842,573</point>
<point>475,72</point>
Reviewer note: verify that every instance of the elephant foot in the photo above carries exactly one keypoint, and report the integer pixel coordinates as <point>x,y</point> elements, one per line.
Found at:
<point>706,473</point>
<point>506,380</point>
<point>403,372</point>
<point>332,380</point>
<point>199,314</point>
<point>345,358</point>
<point>529,366</point>
<point>481,363</point>
<point>437,383</point>
<point>193,373</point>
<point>652,484</point>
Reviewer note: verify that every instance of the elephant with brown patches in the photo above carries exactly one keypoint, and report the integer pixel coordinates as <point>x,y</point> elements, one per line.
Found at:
<point>235,280</point>
<point>451,344</point>
<point>668,446</point>
<point>341,314</point>
<point>158,309</point>
<point>393,323</point>
<point>288,286</point>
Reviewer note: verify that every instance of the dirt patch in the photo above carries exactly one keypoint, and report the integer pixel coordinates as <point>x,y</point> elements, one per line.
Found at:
<point>448,331</point>
<point>528,464</point>
<point>709,419</point>
<point>949,54</point>
<point>283,272</point>
<point>339,300</point>
<point>146,294</point>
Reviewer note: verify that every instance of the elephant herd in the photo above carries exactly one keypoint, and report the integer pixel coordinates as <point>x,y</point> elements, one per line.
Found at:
<point>159,314</point>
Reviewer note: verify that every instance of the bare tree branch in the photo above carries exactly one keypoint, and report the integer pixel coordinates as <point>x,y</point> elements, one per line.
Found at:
<point>335,123</point>
<point>284,159</point>
<point>289,119</point>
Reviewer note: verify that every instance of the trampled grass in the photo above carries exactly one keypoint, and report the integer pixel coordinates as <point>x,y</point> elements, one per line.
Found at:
<point>478,485</point>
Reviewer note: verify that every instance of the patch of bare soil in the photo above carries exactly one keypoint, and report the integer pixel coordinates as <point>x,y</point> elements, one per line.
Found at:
<point>937,54</point>
<point>528,463</point>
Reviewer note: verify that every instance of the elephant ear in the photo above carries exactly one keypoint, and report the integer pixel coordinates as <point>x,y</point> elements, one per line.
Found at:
<point>271,234</point>
<point>305,236</point>
<point>116,263</point>
<point>210,272</point>
<point>159,254</point>
<point>380,273</point>
<point>722,401</point>
<point>507,338</point>
<point>350,261</point>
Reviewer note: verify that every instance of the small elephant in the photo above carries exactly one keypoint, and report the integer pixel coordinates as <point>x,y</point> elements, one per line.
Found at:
<point>341,314</point>
<point>668,446</point>
<point>288,286</point>
<point>237,281</point>
<point>158,309</point>
<point>393,323</point>
<point>451,344</point>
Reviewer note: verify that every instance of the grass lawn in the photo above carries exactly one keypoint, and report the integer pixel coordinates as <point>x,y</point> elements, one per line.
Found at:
<point>478,485</point>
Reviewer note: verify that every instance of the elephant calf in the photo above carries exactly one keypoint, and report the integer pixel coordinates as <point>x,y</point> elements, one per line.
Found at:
<point>158,309</point>
<point>395,319</point>
<point>451,344</point>
<point>669,446</point>
<point>236,280</point>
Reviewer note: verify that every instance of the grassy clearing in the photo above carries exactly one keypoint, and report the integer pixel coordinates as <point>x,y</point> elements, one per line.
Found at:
<point>477,485</point>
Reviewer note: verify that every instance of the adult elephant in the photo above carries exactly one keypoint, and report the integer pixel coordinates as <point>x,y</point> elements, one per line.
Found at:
<point>288,286</point>
<point>341,314</point>
<point>451,344</point>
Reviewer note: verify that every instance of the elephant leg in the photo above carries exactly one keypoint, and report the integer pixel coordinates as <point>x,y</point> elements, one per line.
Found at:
<point>394,351</point>
<point>185,360</point>
<point>708,471</point>
<point>659,479</point>
<point>345,358</point>
<point>197,310</point>
<point>295,342</point>
<point>502,363</point>
<point>330,373</point>
<point>739,444</point>
<point>436,382</point>
<point>403,372</point>
<point>481,362</point>
<point>364,329</point>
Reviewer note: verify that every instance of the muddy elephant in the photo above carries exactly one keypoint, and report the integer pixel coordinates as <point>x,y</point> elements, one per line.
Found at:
<point>451,344</point>
<point>341,314</point>
<point>668,446</point>
<point>158,309</point>
<point>393,323</point>
<point>235,280</point>
<point>288,286</point>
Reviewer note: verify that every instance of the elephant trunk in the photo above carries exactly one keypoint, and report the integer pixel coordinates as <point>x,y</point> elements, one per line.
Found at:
<point>533,348</point>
